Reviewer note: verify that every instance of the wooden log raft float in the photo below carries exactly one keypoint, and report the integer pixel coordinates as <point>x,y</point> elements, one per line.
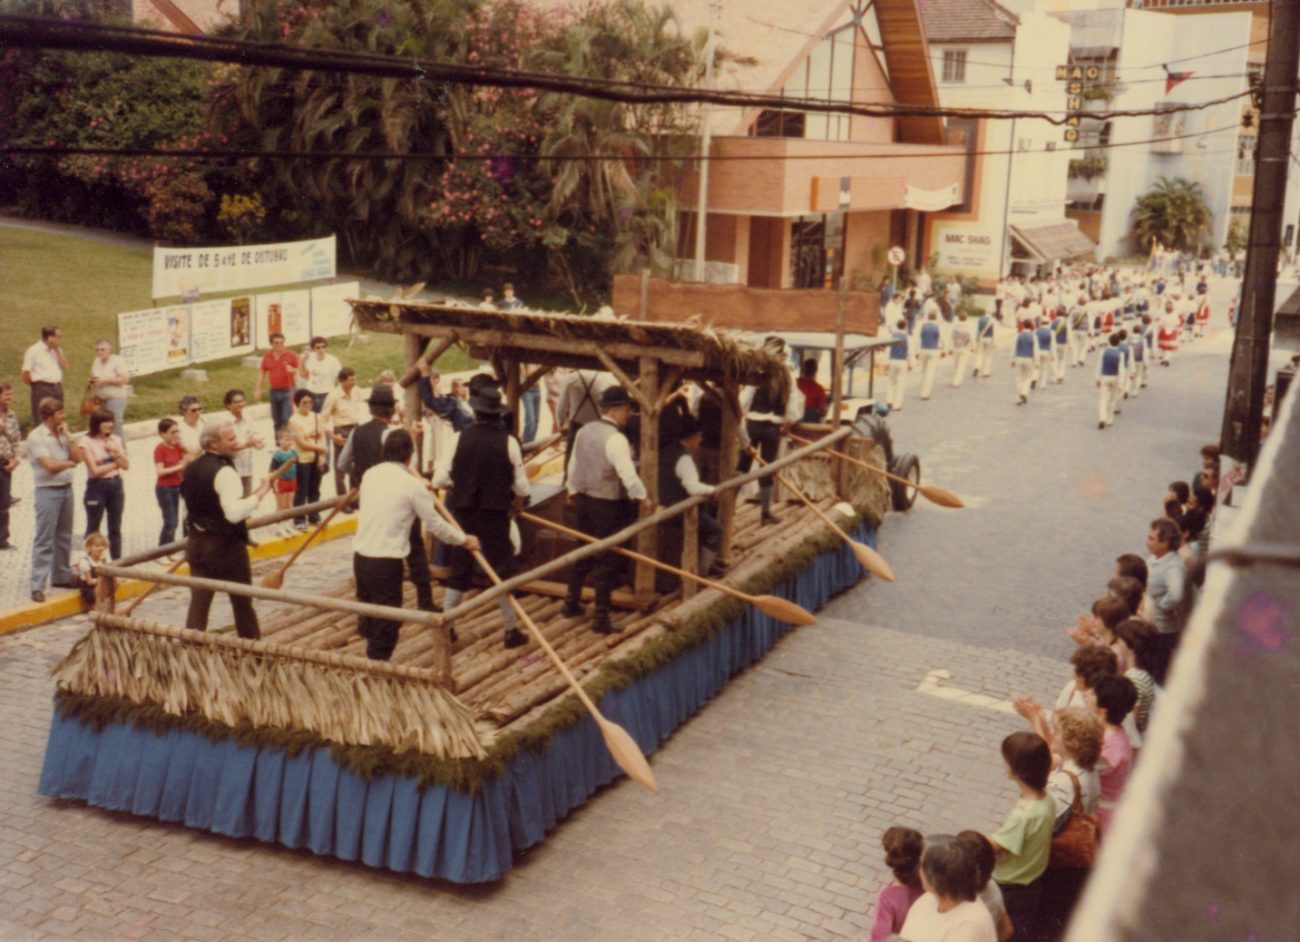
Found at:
<point>451,757</point>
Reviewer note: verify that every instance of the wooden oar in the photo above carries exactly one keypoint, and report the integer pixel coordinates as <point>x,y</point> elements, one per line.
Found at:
<point>779,608</point>
<point>937,495</point>
<point>275,578</point>
<point>868,558</point>
<point>130,606</point>
<point>618,741</point>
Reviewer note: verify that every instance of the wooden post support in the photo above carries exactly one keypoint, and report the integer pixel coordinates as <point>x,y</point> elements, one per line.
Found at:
<point>728,460</point>
<point>513,390</point>
<point>412,348</point>
<point>647,542</point>
<point>643,312</point>
<point>691,550</point>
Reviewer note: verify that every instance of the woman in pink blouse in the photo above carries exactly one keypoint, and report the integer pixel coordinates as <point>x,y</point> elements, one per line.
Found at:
<point>105,494</point>
<point>903,847</point>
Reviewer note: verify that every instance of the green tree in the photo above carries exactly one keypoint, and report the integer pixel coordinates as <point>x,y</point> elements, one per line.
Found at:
<point>1236,240</point>
<point>1173,212</point>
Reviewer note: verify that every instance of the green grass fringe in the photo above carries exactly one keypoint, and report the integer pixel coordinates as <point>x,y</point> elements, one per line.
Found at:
<point>468,775</point>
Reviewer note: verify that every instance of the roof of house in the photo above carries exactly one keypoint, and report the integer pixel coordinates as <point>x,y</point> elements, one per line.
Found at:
<point>968,21</point>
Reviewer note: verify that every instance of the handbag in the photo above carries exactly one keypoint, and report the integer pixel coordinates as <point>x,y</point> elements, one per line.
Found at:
<point>1075,847</point>
<point>89,401</point>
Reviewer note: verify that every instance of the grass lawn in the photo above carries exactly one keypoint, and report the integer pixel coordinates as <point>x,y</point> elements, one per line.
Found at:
<point>81,285</point>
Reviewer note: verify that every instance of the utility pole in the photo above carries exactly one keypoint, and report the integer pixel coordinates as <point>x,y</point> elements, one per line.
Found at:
<point>1248,374</point>
<point>702,204</point>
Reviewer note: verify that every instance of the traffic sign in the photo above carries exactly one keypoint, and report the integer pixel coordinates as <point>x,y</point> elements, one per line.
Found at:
<point>897,256</point>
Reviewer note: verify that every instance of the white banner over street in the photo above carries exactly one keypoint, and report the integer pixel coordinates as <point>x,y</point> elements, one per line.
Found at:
<point>239,267</point>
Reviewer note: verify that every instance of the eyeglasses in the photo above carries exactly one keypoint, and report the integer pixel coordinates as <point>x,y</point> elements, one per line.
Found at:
<point>193,409</point>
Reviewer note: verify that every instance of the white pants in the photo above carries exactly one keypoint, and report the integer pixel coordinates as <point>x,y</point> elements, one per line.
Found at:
<point>984,362</point>
<point>929,363</point>
<point>1079,347</point>
<point>897,380</point>
<point>1109,387</point>
<point>1144,369</point>
<point>1043,367</point>
<point>961,364</point>
<point>1058,364</point>
<point>1131,386</point>
<point>1024,377</point>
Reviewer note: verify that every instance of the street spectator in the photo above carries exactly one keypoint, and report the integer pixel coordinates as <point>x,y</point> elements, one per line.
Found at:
<point>43,367</point>
<point>949,910</point>
<point>286,485</point>
<point>489,301</point>
<point>344,408</point>
<point>990,893</point>
<point>1166,585</point>
<point>109,376</point>
<point>1139,645</point>
<point>1023,842</point>
<point>246,439</point>
<point>191,426</point>
<point>1180,491</point>
<point>814,393</point>
<point>53,455</point>
<point>94,553</point>
<point>168,462</point>
<point>309,442</point>
<point>554,381</point>
<point>1129,591</point>
<point>10,443</point>
<point>105,494</point>
<point>319,371</point>
<point>1190,525</point>
<point>508,300</point>
<point>278,369</point>
<point>903,847</point>
<point>1115,697</point>
<point>389,378</point>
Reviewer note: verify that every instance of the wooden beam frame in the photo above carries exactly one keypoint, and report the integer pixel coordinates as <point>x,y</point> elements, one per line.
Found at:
<point>435,349</point>
<point>647,542</point>
<point>632,386</point>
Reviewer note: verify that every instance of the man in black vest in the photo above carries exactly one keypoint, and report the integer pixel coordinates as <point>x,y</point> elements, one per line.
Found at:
<point>486,481</point>
<point>604,481</point>
<point>364,450</point>
<point>216,545</point>
<point>679,478</point>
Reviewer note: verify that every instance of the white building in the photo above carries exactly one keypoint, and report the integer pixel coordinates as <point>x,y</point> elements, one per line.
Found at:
<point>986,57</point>
<point>1131,53</point>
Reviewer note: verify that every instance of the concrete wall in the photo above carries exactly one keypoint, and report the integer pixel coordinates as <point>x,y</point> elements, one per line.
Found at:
<point>756,309</point>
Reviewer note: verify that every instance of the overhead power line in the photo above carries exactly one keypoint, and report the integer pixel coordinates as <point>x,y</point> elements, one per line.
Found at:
<point>37,32</point>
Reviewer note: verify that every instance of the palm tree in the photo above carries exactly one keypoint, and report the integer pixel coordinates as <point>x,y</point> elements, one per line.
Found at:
<point>1173,212</point>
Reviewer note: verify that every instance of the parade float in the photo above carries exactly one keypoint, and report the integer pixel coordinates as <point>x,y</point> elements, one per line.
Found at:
<point>457,755</point>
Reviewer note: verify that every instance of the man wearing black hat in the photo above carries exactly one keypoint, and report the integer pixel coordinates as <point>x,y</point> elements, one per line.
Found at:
<point>679,478</point>
<point>364,450</point>
<point>604,481</point>
<point>486,480</point>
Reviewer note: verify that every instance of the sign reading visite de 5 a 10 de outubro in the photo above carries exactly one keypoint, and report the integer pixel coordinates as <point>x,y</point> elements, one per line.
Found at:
<point>179,272</point>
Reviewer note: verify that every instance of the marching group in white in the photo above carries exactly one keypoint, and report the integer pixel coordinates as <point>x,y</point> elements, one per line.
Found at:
<point>1133,317</point>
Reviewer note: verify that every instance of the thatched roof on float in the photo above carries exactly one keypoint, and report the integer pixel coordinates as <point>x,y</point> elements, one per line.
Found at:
<point>700,351</point>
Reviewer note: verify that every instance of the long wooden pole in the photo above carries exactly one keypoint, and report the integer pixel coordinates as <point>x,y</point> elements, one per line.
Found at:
<point>277,595</point>
<point>656,518</point>
<point>275,578</point>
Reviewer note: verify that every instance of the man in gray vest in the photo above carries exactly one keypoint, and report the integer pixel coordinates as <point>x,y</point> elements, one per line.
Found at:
<point>604,482</point>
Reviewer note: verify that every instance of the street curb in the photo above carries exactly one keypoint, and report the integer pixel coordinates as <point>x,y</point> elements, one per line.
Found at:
<point>70,603</point>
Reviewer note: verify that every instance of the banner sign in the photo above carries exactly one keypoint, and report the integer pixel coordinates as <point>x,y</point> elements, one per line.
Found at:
<point>238,267</point>
<point>142,340</point>
<point>331,315</point>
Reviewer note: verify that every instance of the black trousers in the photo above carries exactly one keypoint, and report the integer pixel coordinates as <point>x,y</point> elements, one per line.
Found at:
<point>340,479</point>
<point>600,518</point>
<point>379,582</point>
<point>766,437</point>
<point>46,391</point>
<point>417,567</point>
<point>212,556</point>
<point>1022,902</point>
<point>6,485</point>
<point>492,527</point>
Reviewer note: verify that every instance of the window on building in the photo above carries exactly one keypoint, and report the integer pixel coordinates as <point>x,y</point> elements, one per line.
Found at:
<point>954,65</point>
<point>827,74</point>
<point>772,123</point>
<point>1246,150</point>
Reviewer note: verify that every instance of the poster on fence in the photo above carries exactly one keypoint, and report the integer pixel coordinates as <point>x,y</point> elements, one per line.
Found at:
<point>284,312</point>
<point>331,315</point>
<point>178,335</point>
<point>241,267</point>
<point>220,328</point>
<point>142,340</point>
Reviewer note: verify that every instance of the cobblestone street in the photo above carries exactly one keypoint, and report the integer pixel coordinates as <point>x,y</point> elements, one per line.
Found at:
<point>773,799</point>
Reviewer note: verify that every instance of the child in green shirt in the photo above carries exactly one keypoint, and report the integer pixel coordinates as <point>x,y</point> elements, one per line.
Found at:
<point>1024,841</point>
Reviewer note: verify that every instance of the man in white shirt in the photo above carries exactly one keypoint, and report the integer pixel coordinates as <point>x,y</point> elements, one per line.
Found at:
<point>43,368</point>
<point>217,543</point>
<point>392,497</point>
<point>318,372</point>
<point>246,439</point>
<point>679,478</point>
<point>343,410</point>
<point>53,456</point>
<point>604,481</point>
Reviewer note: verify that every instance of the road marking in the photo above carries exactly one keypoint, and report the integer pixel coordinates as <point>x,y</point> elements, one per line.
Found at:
<point>935,684</point>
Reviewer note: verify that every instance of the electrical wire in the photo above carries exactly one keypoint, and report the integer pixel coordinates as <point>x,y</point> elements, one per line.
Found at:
<point>196,153</point>
<point>37,32</point>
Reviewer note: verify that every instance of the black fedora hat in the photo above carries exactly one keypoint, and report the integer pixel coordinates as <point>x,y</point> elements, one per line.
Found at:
<point>382,395</point>
<point>487,401</point>
<point>615,396</point>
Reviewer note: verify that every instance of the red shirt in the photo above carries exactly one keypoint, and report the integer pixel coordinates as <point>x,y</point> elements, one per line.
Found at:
<point>281,368</point>
<point>814,396</point>
<point>169,456</point>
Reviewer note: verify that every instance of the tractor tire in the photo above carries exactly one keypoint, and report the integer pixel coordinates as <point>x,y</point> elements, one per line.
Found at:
<point>905,466</point>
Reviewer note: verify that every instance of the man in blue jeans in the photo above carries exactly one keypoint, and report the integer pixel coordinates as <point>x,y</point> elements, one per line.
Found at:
<point>278,368</point>
<point>53,455</point>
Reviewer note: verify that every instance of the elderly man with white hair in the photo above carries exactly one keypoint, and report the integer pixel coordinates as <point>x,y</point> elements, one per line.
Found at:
<point>217,544</point>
